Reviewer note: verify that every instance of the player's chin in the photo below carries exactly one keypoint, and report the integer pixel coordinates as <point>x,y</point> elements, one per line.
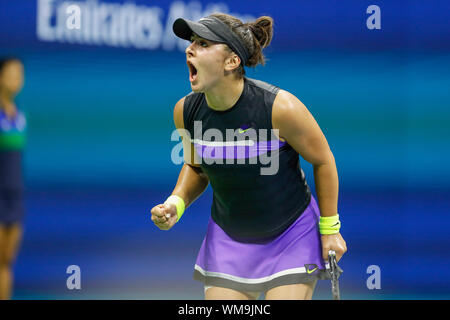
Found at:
<point>196,88</point>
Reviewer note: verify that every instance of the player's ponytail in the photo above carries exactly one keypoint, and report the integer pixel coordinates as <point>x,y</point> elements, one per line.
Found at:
<point>262,30</point>
<point>256,36</point>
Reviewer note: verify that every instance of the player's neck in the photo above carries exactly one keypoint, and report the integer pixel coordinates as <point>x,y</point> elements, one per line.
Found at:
<point>225,95</point>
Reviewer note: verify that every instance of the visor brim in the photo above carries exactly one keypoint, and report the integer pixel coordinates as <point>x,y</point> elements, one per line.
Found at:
<point>184,28</point>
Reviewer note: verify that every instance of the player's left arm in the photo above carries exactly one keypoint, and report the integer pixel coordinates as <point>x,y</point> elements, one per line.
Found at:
<point>298,127</point>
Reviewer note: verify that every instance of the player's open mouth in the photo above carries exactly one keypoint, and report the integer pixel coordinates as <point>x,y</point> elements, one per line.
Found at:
<point>192,71</point>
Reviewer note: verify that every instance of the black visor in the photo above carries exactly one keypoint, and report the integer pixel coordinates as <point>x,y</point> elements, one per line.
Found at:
<point>211,28</point>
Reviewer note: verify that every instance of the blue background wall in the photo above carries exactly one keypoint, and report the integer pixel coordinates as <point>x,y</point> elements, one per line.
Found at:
<point>98,157</point>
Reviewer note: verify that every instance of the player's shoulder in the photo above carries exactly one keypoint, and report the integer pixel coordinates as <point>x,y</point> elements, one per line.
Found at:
<point>178,113</point>
<point>287,105</point>
<point>186,101</point>
<point>185,107</point>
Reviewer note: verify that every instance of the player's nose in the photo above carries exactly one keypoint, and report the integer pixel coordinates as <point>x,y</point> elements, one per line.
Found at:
<point>190,50</point>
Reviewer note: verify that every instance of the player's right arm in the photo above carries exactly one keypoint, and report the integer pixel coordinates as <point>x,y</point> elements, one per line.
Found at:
<point>192,181</point>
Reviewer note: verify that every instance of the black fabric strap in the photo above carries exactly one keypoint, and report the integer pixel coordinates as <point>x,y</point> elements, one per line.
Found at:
<point>224,32</point>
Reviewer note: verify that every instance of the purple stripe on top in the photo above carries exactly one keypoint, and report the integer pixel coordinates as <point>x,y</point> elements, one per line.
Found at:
<point>208,150</point>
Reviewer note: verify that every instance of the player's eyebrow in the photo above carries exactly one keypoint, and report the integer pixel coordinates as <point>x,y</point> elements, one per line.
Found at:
<point>197,37</point>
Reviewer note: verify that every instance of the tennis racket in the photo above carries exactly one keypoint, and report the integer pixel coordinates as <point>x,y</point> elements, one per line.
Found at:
<point>334,270</point>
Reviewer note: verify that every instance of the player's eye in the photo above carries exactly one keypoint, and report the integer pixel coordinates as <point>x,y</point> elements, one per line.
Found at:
<point>198,41</point>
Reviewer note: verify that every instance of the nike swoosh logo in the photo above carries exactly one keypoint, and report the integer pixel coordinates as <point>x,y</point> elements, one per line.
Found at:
<point>311,271</point>
<point>242,131</point>
<point>335,224</point>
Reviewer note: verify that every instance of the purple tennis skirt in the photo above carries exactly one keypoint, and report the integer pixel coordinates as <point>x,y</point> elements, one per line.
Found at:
<point>294,256</point>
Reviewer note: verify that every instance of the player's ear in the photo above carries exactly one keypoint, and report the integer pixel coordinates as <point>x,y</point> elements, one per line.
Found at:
<point>232,62</point>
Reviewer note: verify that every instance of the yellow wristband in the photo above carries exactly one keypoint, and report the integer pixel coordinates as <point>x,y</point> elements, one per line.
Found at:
<point>329,225</point>
<point>178,202</point>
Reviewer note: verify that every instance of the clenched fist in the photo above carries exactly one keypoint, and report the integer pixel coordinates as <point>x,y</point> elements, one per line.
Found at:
<point>333,242</point>
<point>164,216</point>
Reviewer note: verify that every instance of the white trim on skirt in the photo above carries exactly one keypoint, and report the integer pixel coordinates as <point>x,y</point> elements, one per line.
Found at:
<point>256,280</point>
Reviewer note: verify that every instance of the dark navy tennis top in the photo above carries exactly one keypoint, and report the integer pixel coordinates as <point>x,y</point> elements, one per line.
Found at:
<point>259,189</point>
<point>12,143</point>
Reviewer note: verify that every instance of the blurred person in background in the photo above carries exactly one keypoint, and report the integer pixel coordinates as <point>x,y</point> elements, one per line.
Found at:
<point>266,233</point>
<point>12,141</point>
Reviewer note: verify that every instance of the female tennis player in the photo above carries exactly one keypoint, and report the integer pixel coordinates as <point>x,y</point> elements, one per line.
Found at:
<point>12,128</point>
<point>267,234</point>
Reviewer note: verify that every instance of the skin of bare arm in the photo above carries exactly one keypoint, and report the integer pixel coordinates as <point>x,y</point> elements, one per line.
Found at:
<point>192,181</point>
<point>298,127</point>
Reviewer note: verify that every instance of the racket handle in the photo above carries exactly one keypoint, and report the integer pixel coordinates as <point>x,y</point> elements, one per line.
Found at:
<point>334,275</point>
